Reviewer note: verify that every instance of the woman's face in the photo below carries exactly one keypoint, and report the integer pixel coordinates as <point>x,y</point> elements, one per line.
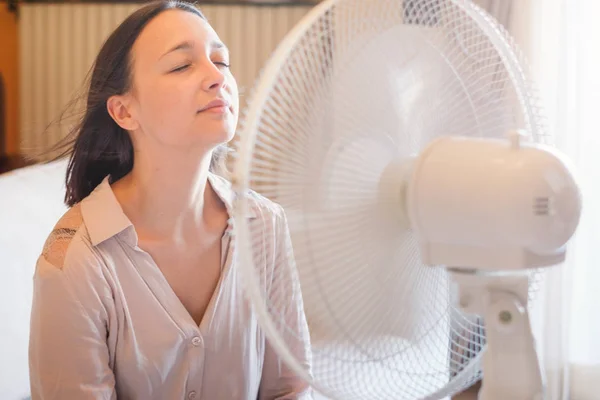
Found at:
<point>183,93</point>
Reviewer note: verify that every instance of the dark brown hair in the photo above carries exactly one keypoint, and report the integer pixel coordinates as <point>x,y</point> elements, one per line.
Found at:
<point>97,145</point>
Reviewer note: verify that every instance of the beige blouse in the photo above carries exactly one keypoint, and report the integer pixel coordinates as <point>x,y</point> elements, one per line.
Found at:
<point>105,323</point>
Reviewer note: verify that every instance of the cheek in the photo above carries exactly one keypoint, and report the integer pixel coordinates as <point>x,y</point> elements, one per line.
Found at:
<point>163,105</point>
<point>233,90</point>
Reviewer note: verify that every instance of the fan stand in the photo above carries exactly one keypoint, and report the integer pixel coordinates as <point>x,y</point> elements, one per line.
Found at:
<point>510,363</point>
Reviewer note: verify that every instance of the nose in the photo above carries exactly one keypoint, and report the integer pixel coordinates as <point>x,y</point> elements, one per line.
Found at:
<point>213,77</point>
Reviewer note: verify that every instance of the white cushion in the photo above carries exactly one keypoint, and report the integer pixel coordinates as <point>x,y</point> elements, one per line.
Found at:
<point>31,202</point>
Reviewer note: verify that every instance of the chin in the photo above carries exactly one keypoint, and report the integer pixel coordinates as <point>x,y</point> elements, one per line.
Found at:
<point>215,132</point>
<point>215,139</point>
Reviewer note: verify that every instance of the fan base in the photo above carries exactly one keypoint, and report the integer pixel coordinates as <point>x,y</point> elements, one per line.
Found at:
<point>510,362</point>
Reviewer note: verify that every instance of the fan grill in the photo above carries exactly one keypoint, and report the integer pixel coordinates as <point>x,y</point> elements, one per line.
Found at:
<point>367,84</point>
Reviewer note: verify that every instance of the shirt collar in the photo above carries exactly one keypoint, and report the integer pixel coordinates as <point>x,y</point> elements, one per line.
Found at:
<point>104,216</point>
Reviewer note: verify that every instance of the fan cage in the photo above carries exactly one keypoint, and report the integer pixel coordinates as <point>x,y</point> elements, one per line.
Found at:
<point>316,141</point>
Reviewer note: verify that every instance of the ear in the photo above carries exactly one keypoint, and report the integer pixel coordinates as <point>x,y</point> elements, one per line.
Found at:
<point>119,108</point>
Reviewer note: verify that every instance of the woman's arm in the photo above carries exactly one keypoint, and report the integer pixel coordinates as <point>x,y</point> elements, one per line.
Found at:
<point>68,353</point>
<point>278,380</point>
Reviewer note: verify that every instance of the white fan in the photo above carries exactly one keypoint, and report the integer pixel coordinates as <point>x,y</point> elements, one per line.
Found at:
<point>406,145</point>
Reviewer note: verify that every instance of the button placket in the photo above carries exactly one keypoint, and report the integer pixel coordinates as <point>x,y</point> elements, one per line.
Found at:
<point>196,364</point>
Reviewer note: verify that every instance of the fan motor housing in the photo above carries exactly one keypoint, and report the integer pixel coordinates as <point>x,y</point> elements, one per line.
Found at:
<point>492,203</point>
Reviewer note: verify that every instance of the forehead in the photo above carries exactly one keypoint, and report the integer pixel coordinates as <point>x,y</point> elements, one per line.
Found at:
<point>169,29</point>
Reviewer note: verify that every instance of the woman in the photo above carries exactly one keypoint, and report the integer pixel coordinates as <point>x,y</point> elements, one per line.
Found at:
<point>137,294</point>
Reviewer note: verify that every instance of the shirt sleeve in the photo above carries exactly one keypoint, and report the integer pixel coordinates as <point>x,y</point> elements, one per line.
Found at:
<point>279,382</point>
<point>68,352</point>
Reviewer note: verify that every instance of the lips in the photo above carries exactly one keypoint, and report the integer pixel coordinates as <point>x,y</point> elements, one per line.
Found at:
<point>217,104</point>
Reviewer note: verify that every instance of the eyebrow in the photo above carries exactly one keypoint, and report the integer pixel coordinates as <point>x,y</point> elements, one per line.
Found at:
<point>189,45</point>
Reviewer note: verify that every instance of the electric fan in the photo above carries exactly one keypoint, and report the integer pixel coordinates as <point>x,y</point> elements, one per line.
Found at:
<point>404,141</point>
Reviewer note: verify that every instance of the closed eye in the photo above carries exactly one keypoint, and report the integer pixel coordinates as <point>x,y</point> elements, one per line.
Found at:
<point>182,68</point>
<point>222,64</point>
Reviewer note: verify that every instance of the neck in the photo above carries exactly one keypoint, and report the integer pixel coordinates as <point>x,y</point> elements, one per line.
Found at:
<point>169,197</point>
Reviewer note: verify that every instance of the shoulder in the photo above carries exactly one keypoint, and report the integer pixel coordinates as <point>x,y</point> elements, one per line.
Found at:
<point>67,241</point>
<point>265,207</point>
<point>269,220</point>
<point>260,207</point>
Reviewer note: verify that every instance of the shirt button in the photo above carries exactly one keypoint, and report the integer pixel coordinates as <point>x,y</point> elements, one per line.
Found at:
<point>196,341</point>
<point>192,395</point>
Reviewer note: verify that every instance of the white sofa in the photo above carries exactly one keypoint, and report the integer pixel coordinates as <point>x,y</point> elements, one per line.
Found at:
<point>31,202</point>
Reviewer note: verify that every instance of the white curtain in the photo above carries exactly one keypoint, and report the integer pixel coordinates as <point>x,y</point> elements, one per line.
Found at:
<point>561,38</point>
